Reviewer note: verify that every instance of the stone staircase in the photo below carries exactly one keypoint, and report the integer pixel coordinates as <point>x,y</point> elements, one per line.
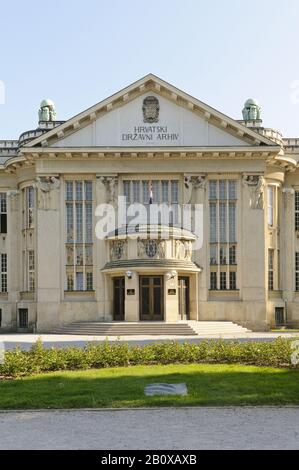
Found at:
<point>126,329</point>
<point>182,329</point>
<point>217,328</point>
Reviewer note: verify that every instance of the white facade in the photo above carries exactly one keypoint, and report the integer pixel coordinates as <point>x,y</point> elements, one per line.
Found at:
<point>153,144</point>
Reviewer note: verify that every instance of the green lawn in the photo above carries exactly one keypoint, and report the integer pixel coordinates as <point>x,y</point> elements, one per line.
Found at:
<point>285,330</point>
<point>123,387</point>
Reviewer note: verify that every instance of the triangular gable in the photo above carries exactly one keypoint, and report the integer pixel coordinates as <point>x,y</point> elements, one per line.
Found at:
<point>120,121</point>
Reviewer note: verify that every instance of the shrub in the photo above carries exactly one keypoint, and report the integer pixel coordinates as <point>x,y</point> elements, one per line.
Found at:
<point>38,359</point>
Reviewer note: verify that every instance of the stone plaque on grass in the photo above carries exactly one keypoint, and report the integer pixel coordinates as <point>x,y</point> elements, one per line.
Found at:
<point>166,389</point>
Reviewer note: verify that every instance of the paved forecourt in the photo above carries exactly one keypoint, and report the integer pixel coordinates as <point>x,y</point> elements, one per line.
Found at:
<point>225,428</point>
<point>25,341</point>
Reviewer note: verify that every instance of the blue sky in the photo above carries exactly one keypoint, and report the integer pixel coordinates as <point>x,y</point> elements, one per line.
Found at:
<point>79,52</point>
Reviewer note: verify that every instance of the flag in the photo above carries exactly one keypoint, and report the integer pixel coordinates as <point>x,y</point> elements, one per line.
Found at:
<point>151,196</point>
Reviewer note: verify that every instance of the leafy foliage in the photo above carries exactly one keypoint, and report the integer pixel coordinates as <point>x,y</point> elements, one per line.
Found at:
<point>97,356</point>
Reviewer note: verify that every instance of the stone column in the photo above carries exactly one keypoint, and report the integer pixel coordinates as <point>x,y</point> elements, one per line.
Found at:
<point>171,299</point>
<point>49,249</point>
<point>287,244</point>
<point>251,250</point>
<point>132,297</point>
<point>195,193</point>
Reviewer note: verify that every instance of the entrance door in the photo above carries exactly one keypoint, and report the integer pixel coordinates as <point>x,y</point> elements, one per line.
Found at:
<point>184,298</point>
<point>119,299</point>
<point>151,298</point>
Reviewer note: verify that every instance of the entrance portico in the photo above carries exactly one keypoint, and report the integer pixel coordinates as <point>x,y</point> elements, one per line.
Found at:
<point>157,281</point>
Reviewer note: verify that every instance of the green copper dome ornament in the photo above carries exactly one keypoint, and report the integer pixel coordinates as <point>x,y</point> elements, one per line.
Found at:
<point>252,110</point>
<point>47,111</point>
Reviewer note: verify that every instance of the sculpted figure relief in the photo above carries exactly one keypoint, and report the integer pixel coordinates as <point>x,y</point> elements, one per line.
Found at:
<point>183,250</point>
<point>256,185</point>
<point>13,195</point>
<point>155,249</point>
<point>118,250</point>
<point>193,183</point>
<point>110,183</point>
<point>45,185</point>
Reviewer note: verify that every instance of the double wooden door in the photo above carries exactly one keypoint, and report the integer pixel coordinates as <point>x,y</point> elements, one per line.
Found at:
<point>151,298</point>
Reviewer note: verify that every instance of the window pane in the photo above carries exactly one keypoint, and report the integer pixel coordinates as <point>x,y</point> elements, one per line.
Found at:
<point>156,191</point>
<point>127,191</point>
<point>136,194</point>
<point>232,255</point>
<point>88,190</point>
<point>222,254</point>
<point>213,189</point>
<point>165,196</point>
<point>297,270</point>
<point>222,190</point>
<point>222,221</point>
<point>232,223</point>
<point>88,223</point>
<point>3,205</point>
<point>88,255</point>
<point>79,190</point>
<point>4,262</point>
<point>270,259</point>
<point>89,281</point>
<point>79,255</point>
<point>4,272</point>
<point>213,223</point>
<point>69,223</point>
<point>70,255</point>
<point>31,259</point>
<point>3,223</point>
<point>69,191</point>
<point>79,281</point>
<point>213,255</point>
<point>145,192</point>
<point>232,190</point>
<point>213,281</point>
<point>222,281</point>
<point>70,281</point>
<point>79,223</point>
<point>174,192</point>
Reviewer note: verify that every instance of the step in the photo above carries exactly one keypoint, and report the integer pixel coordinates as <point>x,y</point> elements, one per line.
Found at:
<point>126,329</point>
<point>188,328</point>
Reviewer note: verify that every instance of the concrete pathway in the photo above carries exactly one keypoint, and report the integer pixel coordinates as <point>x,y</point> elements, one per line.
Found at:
<point>168,428</point>
<point>25,341</point>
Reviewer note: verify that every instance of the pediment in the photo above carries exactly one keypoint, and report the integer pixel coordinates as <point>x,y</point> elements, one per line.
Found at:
<point>150,113</point>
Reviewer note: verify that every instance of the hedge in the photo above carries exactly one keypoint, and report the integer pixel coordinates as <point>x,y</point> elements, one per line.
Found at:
<point>38,359</point>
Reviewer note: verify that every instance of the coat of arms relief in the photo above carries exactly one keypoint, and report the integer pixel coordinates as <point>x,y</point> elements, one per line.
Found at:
<point>151,109</point>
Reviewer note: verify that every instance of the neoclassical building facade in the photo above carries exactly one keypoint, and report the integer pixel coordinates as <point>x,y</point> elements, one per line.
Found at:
<point>227,249</point>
